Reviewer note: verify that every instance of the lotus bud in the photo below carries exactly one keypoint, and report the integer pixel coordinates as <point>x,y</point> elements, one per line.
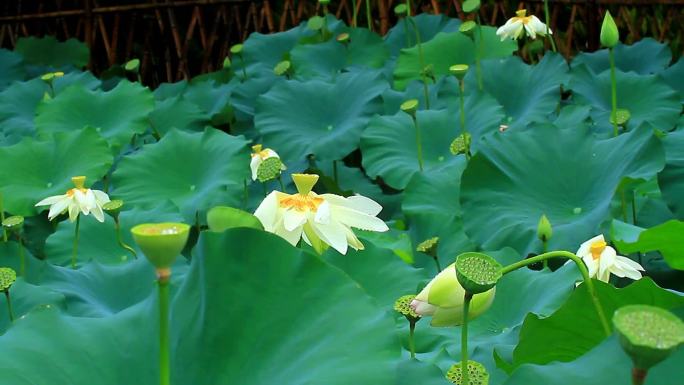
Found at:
<point>226,63</point>
<point>161,243</point>
<point>410,107</point>
<point>442,299</point>
<point>14,224</point>
<point>648,334</point>
<point>477,272</point>
<point>236,49</point>
<point>609,32</point>
<point>544,229</point>
<point>132,65</point>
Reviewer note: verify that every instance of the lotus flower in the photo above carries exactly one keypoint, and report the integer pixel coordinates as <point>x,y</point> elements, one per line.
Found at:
<point>515,25</point>
<point>602,260</point>
<point>77,200</point>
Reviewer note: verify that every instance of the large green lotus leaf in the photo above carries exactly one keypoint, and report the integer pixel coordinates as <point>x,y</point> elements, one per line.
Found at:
<point>32,170</point>
<point>674,77</point>
<point>432,209</point>
<point>326,60</point>
<point>170,90</point>
<point>605,364</point>
<point>271,283</point>
<point>212,99</point>
<point>445,50</point>
<point>389,146</point>
<point>665,238</point>
<point>671,179</point>
<point>98,242</point>
<point>244,100</point>
<point>629,58</point>
<point>316,117</point>
<point>11,68</point>
<point>412,372</point>
<point>195,171</point>
<point>575,329</point>
<point>48,53</point>
<point>518,176</point>
<point>527,93</point>
<point>117,114</point>
<point>402,35</point>
<point>660,109</point>
<point>177,113</point>
<point>442,94</point>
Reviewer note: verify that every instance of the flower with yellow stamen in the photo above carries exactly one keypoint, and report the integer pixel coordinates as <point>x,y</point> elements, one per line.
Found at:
<point>320,220</point>
<point>514,26</point>
<point>259,155</point>
<point>77,200</point>
<point>602,260</point>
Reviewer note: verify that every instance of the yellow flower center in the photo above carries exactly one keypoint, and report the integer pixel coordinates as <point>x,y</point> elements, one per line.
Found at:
<point>596,249</point>
<point>70,193</point>
<point>301,203</point>
<point>262,154</point>
<point>520,15</point>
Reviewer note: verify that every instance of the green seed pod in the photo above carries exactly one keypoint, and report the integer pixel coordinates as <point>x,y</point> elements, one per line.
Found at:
<point>468,28</point>
<point>132,65</point>
<point>470,6</point>
<point>400,10</point>
<point>461,144</point>
<point>410,107</point>
<point>459,70</point>
<point>477,272</point>
<point>226,63</point>
<point>621,117</point>
<point>477,373</point>
<point>315,23</point>
<point>14,224</point>
<point>7,278</point>
<point>403,305</point>
<point>161,242</point>
<point>429,246</point>
<point>282,68</point>
<point>544,229</point>
<point>609,32</point>
<point>269,169</point>
<point>343,38</point>
<point>648,334</point>
<point>236,49</point>
<point>113,207</point>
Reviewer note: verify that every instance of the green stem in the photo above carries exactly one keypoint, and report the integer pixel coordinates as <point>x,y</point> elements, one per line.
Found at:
<point>119,239</point>
<point>613,92</point>
<point>412,346</point>
<point>638,376</point>
<point>263,186</point>
<point>464,339</point>
<point>439,266</point>
<point>354,13</point>
<point>22,259</point>
<point>280,181</point>
<point>9,306</point>
<point>408,8</point>
<point>546,13</point>
<point>164,351</point>
<point>244,70</point>
<point>369,16</point>
<point>463,127</point>
<point>545,248</point>
<point>2,218</point>
<point>478,53</point>
<point>419,144</point>
<point>585,277</point>
<point>74,252</point>
<point>408,38</point>
<point>421,60</point>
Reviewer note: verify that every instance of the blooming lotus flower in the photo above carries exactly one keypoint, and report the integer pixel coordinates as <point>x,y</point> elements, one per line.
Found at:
<point>320,220</point>
<point>77,200</point>
<point>602,260</point>
<point>515,25</point>
<point>442,299</point>
<point>259,155</point>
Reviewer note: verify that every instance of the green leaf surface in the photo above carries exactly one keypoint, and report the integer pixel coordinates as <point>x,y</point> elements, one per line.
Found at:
<point>403,35</point>
<point>665,238</point>
<point>48,53</point>
<point>671,179</point>
<point>117,114</point>
<point>195,171</point>
<point>518,176</point>
<point>11,68</point>
<point>177,113</point>
<point>36,169</point>
<point>646,56</point>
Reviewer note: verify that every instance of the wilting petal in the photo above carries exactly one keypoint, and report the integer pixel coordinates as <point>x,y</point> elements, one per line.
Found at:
<point>254,165</point>
<point>74,210</point>
<point>267,212</point>
<point>422,308</point>
<point>59,207</point>
<point>358,219</point>
<point>293,219</point>
<point>331,233</point>
<point>101,197</point>
<point>51,200</point>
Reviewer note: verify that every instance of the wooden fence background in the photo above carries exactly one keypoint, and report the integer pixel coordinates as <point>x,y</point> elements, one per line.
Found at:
<point>177,39</point>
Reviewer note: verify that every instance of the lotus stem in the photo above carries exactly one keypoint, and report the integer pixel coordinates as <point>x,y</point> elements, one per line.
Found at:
<point>280,181</point>
<point>545,248</point>
<point>9,306</point>
<point>464,339</point>
<point>22,259</point>
<point>546,14</point>
<point>421,60</point>
<point>74,252</point>
<point>478,52</point>
<point>639,376</point>
<point>585,277</point>
<point>463,127</point>
<point>412,346</point>
<point>119,239</point>
<point>613,92</point>
<point>2,219</point>
<point>369,17</point>
<point>408,8</point>
<point>419,144</point>
<point>164,346</point>
<point>354,13</point>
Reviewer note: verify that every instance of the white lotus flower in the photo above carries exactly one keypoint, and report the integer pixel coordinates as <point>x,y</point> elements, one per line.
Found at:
<point>77,200</point>
<point>515,26</point>
<point>259,155</point>
<point>602,260</point>
<point>320,220</point>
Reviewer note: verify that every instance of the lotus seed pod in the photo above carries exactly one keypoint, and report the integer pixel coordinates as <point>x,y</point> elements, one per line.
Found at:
<point>400,10</point>
<point>79,181</point>
<point>461,144</point>
<point>477,373</point>
<point>315,23</point>
<point>477,272</point>
<point>7,278</point>
<point>609,32</point>
<point>269,169</point>
<point>49,77</point>
<point>304,182</point>
<point>343,38</point>
<point>428,246</point>
<point>403,305</point>
<point>468,28</point>
<point>544,229</point>
<point>621,117</point>
<point>470,6</point>
<point>459,70</point>
<point>282,68</point>
<point>226,63</point>
<point>161,242</point>
<point>648,334</point>
<point>14,224</point>
<point>410,107</point>
<point>113,207</point>
<point>132,65</point>
<point>236,49</point>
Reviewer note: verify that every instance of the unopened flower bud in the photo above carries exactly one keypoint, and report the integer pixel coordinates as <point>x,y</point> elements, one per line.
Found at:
<point>544,229</point>
<point>132,65</point>
<point>609,32</point>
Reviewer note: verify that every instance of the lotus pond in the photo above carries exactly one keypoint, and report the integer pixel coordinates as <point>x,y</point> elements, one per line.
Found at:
<point>335,207</point>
